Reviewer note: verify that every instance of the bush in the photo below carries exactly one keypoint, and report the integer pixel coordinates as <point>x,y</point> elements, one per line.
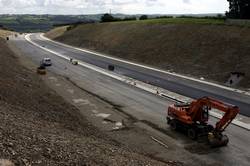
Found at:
<point>143,17</point>
<point>107,18</point>
<point>71,27</point>
<point>129,19</point>
<point>110,18</point>
<point>160,17</point>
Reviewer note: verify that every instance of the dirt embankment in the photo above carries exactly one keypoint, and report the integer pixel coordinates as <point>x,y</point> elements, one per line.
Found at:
<point>5,33</point>
<point>209,51</point>
<point>39,128</point>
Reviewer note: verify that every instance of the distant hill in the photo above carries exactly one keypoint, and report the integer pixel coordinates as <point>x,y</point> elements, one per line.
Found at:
<point>36,23</point>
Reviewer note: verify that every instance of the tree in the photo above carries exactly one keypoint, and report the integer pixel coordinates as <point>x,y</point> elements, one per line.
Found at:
<point>239,9</point>
<point>129,18</point>
<point>143,17</point>
<point>107,18</point>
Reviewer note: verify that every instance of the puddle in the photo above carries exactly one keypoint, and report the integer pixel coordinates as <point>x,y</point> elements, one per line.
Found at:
<point>95,112</point>
<point>93,105</point>
<point>118,124</point>
<point>103,115</point>
<point>52,78</point>
<point>116,128</point>
<point>104,122</point>
<point>71,91</point>
<point>81,101</point>
<point>58,84</point>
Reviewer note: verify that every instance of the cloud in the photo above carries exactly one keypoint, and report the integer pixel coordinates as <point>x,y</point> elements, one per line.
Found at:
<point>40,2</point>
<point>117,6</point>
<point>186,1</point>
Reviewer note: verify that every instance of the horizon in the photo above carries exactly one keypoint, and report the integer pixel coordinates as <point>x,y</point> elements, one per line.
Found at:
<point>116,14</point>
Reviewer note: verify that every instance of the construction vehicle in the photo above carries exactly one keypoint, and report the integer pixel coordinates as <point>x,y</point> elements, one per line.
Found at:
<point>46,62</point>
<point>111,67</point>
<point>41,70</point>
<point>192,118</point>
<point>73,61</point>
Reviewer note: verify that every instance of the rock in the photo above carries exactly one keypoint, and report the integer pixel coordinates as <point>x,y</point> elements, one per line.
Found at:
<point>8,144</point>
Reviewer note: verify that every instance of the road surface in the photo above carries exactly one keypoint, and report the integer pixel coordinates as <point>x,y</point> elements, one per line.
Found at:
<point>175,84</point>
<point>141,105</point>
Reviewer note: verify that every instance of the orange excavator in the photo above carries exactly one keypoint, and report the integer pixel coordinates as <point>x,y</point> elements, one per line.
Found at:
<point>192,118</point>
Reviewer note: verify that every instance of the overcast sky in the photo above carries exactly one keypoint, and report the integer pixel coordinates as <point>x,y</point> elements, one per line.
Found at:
<point>117,6</point>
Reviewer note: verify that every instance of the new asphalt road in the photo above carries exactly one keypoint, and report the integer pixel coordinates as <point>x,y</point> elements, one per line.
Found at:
<point>183,86</point>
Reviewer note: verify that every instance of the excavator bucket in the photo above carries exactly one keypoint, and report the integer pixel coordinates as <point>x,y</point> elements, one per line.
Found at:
<point>215,141</point>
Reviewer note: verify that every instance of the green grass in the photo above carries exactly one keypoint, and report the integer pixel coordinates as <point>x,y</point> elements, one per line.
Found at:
<point>35,20</point>
<point>8,20</point>
<point>34,23</point>
<point>180,21</point>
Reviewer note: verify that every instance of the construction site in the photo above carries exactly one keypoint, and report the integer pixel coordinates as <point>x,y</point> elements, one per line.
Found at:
<point>125,89</point>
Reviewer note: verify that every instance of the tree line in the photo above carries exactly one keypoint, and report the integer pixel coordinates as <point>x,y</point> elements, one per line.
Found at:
<point>109,18</point>
<point>239,9</point>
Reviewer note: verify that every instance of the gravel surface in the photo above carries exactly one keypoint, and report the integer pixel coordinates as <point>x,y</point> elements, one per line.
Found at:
<point>39,128</point>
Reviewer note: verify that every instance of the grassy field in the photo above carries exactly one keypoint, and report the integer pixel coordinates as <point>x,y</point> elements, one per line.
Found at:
<point>196,47</point>
<point>180,21</point>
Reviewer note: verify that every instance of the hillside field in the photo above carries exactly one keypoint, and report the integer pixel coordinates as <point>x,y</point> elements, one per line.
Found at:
<point>198,47</point>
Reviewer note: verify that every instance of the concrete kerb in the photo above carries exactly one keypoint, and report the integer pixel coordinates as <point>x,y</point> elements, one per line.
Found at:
<point>147,87</point>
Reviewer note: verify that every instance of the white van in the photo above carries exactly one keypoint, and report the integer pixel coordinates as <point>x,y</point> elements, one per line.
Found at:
<point>46,62</point>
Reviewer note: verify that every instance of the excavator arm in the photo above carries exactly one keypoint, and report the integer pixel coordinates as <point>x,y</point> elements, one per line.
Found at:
<point>227,118</point>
